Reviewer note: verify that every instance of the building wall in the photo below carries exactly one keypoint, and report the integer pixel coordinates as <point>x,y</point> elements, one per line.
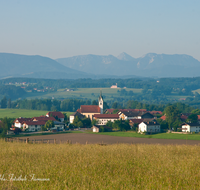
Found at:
<point>17,124</point>
<point>195,129</point>
<point>142,127</point>
<point>71,119</point>
<point>89,115</point>
<point>104,121</point>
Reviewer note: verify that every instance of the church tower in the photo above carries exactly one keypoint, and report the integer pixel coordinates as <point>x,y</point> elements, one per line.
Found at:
<point>101,102</point>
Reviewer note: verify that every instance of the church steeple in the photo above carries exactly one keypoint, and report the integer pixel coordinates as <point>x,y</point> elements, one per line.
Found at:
<point>101,102</point>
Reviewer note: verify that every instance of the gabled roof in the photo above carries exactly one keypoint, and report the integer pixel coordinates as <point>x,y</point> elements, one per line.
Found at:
<point>191,124</point>
<point>155,112</point>
<point>163,117</point>
<point>148,123</point>
<point>34,122</point>
<point>136,120</point>
<point>77,114</point>
<point>131,113</point>
<point>55,113</point>
<point>90,109</point>
<point>106,116</point>
<point>43,118</point>
<point>21,119</point>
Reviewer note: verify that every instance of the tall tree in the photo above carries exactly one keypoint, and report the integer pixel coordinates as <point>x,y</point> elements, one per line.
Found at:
<point>4,102</point>
<point>172,114</point>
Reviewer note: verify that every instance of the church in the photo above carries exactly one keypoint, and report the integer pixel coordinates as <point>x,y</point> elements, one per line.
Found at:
<point>90,110</point>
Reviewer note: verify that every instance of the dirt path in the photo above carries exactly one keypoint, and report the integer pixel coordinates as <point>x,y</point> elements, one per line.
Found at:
<point>82,138</point>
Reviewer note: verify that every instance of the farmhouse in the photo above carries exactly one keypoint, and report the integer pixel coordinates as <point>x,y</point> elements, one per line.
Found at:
<point>19,121</point>
<point>104,118</point>
<point>56,114</point>
<point>191,127</point>
<point>149,126</point>
<point>33,126</point>
<point>124,115</point>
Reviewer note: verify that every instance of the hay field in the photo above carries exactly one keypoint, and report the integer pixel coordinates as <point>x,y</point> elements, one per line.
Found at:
<point>118,166</point>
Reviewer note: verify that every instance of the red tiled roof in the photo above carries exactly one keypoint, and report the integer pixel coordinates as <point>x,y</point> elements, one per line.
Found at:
<point>106,116</point>
<point>163,117</point>
<point>43,118</point>
<point>34,122</point>
<point>90,109</point>
<point>133,110</point>
<point>198,117</point>
<point>184,117</point>
<point>20,120</point>
<point>155,112</point>
<point>55,113</point>
<point>136,120</point>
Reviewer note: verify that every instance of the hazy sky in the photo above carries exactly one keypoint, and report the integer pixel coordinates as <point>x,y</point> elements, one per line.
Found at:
<point>65,28</point>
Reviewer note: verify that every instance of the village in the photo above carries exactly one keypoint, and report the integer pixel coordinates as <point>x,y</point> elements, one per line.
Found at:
<point>95,118</point>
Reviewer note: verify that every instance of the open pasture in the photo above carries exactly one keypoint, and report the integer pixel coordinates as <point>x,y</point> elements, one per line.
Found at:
<point>15,113</point>
<point>92,93</point>
<point>118,166</point>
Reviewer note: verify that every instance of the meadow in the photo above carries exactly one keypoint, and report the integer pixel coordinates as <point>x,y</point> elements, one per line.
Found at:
<point>155,136</point>
<point>91,93</point>
<point>15,113</point>
<point>118,166</point>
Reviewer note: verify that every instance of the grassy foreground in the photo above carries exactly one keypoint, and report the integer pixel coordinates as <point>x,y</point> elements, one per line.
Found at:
<point>119,166</point>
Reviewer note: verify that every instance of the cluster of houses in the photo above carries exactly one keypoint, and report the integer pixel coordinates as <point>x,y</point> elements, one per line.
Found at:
<point>145,120</point>
<point>35,124</point>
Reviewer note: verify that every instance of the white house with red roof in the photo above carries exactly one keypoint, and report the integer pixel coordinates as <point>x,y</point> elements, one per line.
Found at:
<point>33,126</point>
<point>56,114</point>
<point>19,121</point>
<point>104,118</point>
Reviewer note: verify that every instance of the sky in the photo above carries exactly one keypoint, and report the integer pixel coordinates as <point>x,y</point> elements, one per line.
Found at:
<point>66,28</point>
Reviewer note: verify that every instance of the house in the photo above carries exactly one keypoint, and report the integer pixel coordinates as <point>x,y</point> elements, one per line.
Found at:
<point>134,121</point>
<point>76,114</point>
<point>19,121</point>
<point>149,127</point>
<point>97,129</point>
<point>56,114</point>
<point>33,126</point>
<point>90,110</point>
<point>191,127</point>
<point>104,118</point>
<point>114,86</point>
<point>124,115</point>
<point>59,126</point>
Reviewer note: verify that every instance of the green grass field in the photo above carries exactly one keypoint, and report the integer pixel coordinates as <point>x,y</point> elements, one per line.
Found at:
<point>156,136</point>
<point>15,113</point>
<point>92,93</point>
<point>119,166</point>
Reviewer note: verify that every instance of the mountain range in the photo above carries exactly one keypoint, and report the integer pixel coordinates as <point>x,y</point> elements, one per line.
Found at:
<point>97,66</point>
<point>150,65</point>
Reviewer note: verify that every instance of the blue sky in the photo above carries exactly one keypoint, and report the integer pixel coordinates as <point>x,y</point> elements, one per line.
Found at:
<point>67,28</point>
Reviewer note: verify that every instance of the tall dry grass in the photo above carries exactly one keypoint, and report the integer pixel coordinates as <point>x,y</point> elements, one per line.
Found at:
<point>118,166</point>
